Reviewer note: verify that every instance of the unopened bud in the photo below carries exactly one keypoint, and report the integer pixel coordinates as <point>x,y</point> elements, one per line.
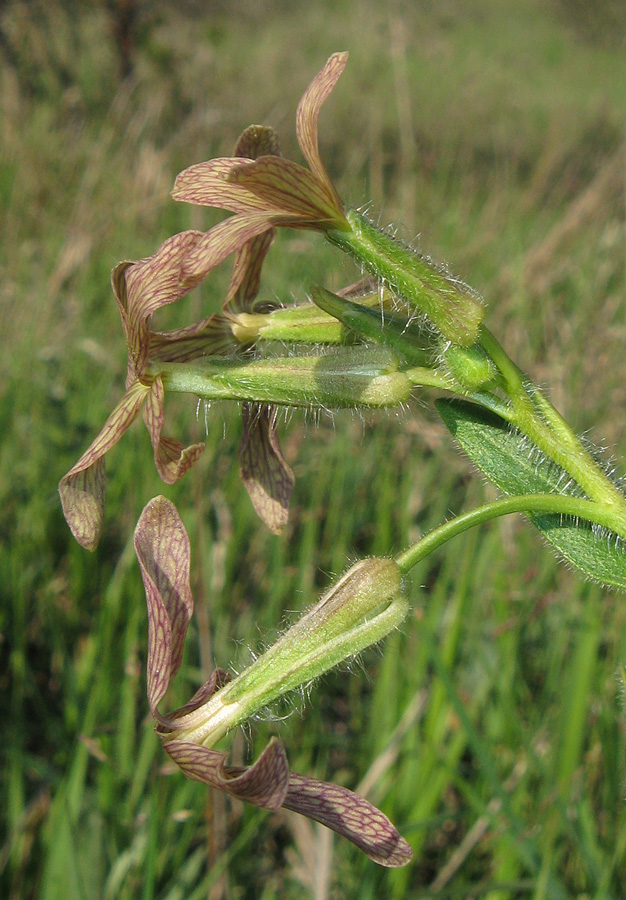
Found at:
<point>365,604</point>
<point>469,366</point>
<point>342,377</point>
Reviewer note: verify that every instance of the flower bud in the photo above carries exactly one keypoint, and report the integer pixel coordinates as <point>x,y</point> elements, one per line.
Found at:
<point>343,377</point>
<point>469,366</point>
<point>365,604</point>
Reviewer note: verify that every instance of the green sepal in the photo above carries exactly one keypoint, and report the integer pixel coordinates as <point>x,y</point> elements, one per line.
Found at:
<point>374,325</point>
<point>517,467</point>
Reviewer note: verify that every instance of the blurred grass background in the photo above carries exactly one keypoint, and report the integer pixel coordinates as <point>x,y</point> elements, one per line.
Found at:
<point>492,729</point>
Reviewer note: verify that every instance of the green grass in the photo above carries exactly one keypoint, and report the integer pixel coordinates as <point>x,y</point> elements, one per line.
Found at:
<point>494,130</point>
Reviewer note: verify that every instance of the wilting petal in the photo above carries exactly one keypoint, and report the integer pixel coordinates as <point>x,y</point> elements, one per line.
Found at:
<point>220,242</point>
<point>307,118</point>
<point>171,458</point>
<point>246,278</point>
<point>212,336</point>
<point>217,680</point>
<point>150,284</point>
<point>349,815</point>
<point>264,472</point>
<point>263,784</point>
<point>162,548</point>
<point>257,140</point>
<point>82,489</point>
<point>207,184</point>
<point>291,194</point>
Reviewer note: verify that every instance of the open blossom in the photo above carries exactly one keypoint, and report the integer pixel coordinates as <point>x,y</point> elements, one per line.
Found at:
<point>162,547</point>
<point>140,289</point>
<point>267,191</point>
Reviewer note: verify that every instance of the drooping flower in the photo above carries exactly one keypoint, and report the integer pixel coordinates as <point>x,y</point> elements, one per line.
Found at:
<point>366,604</point>
<point>269,190</point>
<point>141,288</point>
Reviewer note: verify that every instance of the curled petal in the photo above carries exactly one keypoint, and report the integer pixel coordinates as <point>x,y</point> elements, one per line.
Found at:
<point>150,284</point>
<point>263,784</point>
<point>307,118</point>
<point>291,194</point>
<point>217,680</point>
<point>220,242</point>
<point>212,336</point>
<point>246,278</point>
<point>349,815</point>
<point>264,472</point>
<point>257,140</point>
<point>171,458</point>
<point>206,184</point>
<point>162,548</point>
<point>82,489</point>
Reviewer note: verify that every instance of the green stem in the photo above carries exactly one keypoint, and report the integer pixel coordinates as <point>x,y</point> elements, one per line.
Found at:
<point>555,504</point>
<point>535,416</point>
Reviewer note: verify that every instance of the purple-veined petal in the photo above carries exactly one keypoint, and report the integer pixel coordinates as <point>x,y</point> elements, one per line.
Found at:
<point>246,278</point>
<point>217,680</point>
<point>349,815</point>
<point>292,195</point>
<point>307,118</point>
<point>264,472</point>
<point>150,284</point>
<point>207,184</point>
<point>218,243</point>
<point>162,548</point>
<point>171,458</point>
<point>82,489</point>
<point>257,140</point>
<point>263,784</point>
<point>212,336</point>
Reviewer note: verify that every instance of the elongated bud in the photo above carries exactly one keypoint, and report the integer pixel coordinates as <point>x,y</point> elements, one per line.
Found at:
<point>343,377</point>
<point>365,604</point>
<point>293,324</point>
<point>451,307</point>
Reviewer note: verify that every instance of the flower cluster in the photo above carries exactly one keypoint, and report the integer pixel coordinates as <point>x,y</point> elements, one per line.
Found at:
<point>263,191</point>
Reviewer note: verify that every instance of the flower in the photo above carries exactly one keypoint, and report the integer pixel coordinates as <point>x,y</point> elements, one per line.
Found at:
<point>267,191</point>
<point>141,288</point>
<point>367,595</point>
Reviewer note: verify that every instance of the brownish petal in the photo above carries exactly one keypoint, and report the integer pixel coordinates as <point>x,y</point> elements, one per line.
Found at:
<point>217,680</point>
<point>292,195</point>
<point>257,140</point>
<point>264,472</point>
<point>162,548</point>
<point>349,815</point>
<point>218,243</point>
<point>171,458</point>
<point>150,284</point>
<point>307,118</point>
<point>263,784</point>
<point>246,278</point>
<point>82,489</point>
<point>207,184</point>
<point>212,336</point>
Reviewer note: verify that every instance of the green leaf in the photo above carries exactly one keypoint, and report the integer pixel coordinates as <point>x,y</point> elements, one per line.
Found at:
<point>516,466</point>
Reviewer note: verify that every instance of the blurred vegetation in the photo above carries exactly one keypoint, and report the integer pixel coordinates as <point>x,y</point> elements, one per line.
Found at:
<point>491,729</point>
